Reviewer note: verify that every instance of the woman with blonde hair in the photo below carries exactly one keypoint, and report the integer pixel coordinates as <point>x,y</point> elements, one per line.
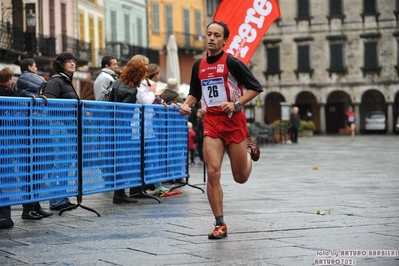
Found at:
<point>147,91</point>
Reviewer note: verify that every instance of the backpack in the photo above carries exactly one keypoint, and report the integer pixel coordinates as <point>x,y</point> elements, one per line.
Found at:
<point>107,95</point>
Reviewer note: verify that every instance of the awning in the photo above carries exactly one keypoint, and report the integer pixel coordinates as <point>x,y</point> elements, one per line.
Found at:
<point>15,68</point>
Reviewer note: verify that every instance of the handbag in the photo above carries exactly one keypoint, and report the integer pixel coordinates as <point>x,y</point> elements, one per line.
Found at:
<point>5,217</point>
<point>107,95</point>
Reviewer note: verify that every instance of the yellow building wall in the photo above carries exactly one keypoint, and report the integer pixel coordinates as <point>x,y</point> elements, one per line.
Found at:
<point>159,40</point>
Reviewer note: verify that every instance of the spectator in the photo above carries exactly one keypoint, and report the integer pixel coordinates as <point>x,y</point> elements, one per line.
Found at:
<point>106,77</point>
<point>199,133</point>
<point>309,116</point>
<point>126,90</point>
<point>60,86</point>
<point>170,95</point>
<point>6,89</point>
<point>31,211</point>
<point>6,85</point>
<point>147,92</point>
<point>295,121</point>
<point>29,83</point>
<point>191,142</point>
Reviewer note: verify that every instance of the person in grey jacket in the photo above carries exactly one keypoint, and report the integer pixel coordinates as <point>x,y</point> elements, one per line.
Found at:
<point>106,77</point>
<point>29,83</point>
<point>60,86</point>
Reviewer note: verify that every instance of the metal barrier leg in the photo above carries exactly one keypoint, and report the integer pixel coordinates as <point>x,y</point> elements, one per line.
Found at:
<point>143,194</point>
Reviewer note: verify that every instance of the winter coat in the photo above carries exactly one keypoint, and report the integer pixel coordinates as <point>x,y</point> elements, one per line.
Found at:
<point>6,90</point>
<point>60,86</point>
<point>123,93</point>
<point>28,84</point>
<point>103,80</point>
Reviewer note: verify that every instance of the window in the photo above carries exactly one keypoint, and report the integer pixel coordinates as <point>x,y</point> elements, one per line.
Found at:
<point>92,39</point>
<point>303,60</point>
<point>186,23</point>
<point>127,28</point>
<point>272,61</point>
<point>140,32</point>
<point>114,30</point>
<point>336,57</point>
<point>198,28</point>
<point>303,9</point>
<point>371,58</point>
<point>212,5</point>
<point>52,18</point>
<point>370,55</point>
<point>169,21</point>
<point>335,8</point>
<point>369,7</point>
<point>155,17</point>
<point>81,26</point>
<point>101,34</point>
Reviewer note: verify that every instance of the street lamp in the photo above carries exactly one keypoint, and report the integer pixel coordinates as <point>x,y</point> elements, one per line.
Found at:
<point>31,19</point>
<point>30,38</point>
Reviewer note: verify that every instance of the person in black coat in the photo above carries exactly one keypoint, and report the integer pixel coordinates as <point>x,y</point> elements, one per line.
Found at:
<point>60,86</point>
<point>295,121</point>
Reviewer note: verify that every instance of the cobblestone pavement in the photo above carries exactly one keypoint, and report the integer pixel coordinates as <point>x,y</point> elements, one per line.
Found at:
<point>272,219</point>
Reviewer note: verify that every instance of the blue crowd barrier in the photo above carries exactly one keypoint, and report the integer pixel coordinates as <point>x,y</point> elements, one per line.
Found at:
<point>69,148</point>
<point>38,153</point>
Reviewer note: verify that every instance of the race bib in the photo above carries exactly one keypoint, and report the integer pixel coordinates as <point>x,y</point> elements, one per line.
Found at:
<point>351,119</point>
<point>214,91</point>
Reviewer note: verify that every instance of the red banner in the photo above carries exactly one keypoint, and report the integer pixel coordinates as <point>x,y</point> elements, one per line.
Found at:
<point>248,21</point>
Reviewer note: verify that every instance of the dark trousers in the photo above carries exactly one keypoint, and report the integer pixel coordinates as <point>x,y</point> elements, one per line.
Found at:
<point>192,156</point>
<point>294,135</point>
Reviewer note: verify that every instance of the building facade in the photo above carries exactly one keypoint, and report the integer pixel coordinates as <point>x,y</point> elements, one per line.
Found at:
<point>186,20</point>
<point>324,56</point>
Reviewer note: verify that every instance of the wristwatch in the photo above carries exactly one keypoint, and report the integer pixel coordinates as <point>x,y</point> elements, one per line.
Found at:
<point>238,106</point>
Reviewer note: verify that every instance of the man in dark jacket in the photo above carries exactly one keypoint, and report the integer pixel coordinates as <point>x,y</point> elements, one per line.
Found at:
<point>60,86</point>
<point>29,83</point>
<point>295,121</point>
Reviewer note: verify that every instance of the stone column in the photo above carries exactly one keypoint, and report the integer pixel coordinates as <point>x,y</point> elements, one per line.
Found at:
<point>322,115</point>
<point>357,118</point>
<point>390,118</point>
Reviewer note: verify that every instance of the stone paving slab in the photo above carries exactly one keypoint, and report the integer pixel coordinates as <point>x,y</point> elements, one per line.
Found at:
<point>272,218</point>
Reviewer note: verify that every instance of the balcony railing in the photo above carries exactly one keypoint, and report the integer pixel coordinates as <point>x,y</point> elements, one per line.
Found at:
<point>16,41</point>
<point>188,43</point>
<point>124,52</point>
<point>81,49</point>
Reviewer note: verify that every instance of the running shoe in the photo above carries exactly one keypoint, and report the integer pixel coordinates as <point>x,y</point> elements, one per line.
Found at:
<point>219,232</point>
<point>253,150</point>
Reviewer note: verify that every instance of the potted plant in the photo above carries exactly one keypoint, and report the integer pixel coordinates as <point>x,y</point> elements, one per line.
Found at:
<point>306,128</point>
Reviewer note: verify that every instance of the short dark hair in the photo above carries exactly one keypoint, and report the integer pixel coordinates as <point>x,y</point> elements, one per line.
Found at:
<point>58,63</point>
<point>25,63</point>
<point>106,61</point>
<point>224,26</point>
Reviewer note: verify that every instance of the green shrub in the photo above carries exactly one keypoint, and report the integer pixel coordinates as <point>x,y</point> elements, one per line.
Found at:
<point>307,125</point>
<point>281,128</point>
